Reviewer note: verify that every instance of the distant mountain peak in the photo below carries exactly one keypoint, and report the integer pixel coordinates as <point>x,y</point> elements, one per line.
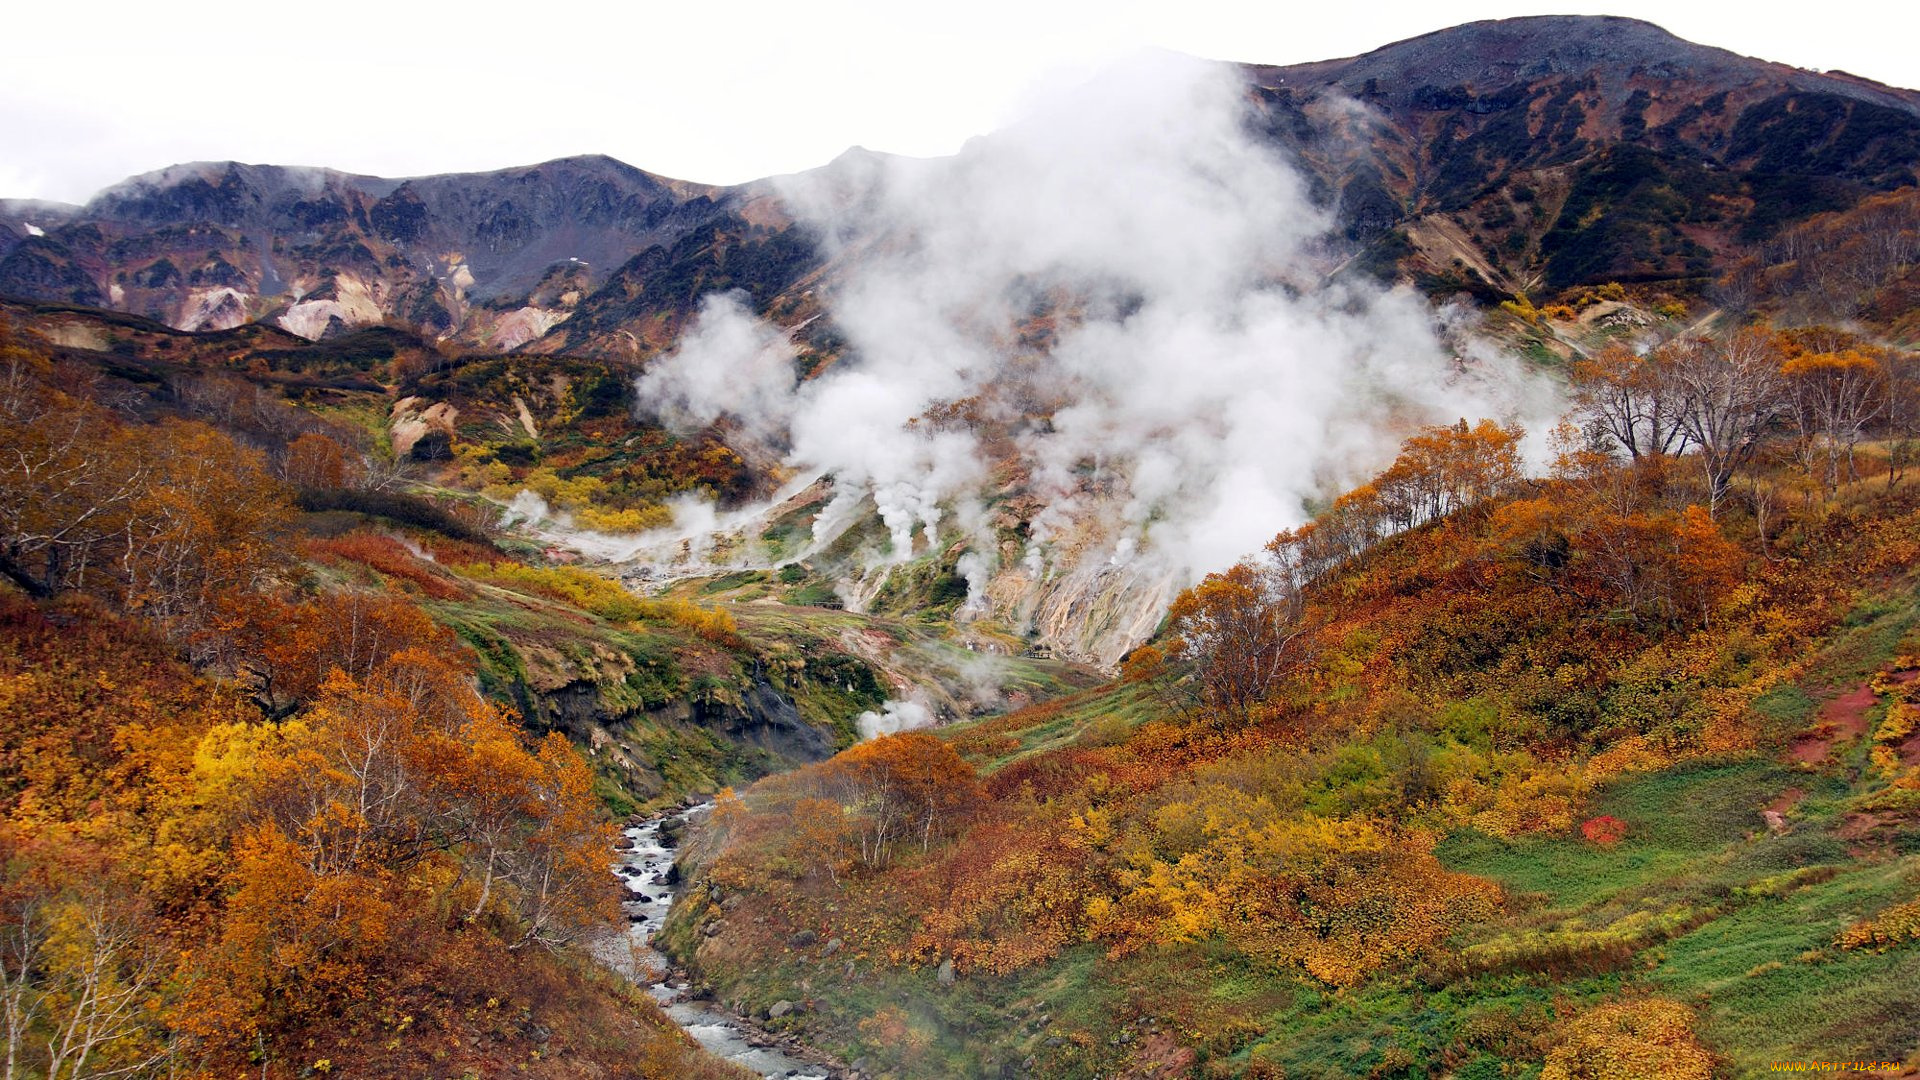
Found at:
<point>1492,53</point>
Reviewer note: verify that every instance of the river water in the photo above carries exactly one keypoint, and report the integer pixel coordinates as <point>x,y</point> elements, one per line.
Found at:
<point>643,870</point>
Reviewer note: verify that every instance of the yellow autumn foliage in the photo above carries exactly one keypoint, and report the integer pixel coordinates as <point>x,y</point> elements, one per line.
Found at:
<point>1630,1040</point>
<point>604,597</point>
<point>1894,926</point>
<point>1338,898</point>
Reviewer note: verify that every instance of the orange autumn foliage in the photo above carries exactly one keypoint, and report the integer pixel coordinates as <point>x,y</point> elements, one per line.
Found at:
<point>1250,628</point>
<point>193,883</point>
<point>1011,896</point>
<point>316,461</point>
<point>901,789</point>
<point>1898,924</point>
<point>202,525</point>
<point>1242,628</point>
<point>286,649</point>
<point>278,875</point>
<point>390,557</point>
<point>159,517</point>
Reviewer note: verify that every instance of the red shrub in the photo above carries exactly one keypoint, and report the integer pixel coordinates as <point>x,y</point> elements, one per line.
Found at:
<point>389,557</point>
<point>1605,830</point>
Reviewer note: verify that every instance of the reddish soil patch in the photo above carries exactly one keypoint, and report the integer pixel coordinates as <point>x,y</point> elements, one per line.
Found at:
<point>1848,713</point>
<point>1841,720</point>
<point>1161,1056</point>
<point>1811,748</point>
<point>1857,825</point>
<point>1862,830</point>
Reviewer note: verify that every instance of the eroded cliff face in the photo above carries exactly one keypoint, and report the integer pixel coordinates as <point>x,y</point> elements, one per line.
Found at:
<point>663,712</point>
<point>663,716</point>
<point>1094,614</point>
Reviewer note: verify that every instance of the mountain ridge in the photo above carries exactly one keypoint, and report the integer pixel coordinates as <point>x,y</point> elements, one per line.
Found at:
<point>1492,158</point>
<point>1523,33</point>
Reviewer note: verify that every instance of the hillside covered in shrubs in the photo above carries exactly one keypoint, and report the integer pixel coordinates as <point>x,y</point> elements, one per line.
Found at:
<point>1606,771</point>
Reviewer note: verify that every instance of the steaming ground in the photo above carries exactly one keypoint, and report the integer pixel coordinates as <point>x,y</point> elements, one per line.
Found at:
<point>1119,302</point>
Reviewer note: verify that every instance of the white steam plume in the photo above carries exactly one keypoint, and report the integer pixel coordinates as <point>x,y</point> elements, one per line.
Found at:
<point>1127,286</point>
<point>728,364</point>
<point>895,717</point>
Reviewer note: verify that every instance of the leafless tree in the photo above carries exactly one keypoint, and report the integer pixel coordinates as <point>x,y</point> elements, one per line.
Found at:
<point>1631,399</point>
<point>1731,393</point>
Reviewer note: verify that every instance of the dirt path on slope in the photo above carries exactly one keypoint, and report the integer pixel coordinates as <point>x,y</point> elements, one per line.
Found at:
<point>1842,719</point>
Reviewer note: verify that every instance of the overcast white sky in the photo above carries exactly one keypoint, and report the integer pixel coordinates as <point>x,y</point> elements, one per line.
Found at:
<point>704,91</point>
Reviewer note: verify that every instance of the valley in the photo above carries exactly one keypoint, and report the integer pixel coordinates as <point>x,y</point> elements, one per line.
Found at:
<point>1398,566</point>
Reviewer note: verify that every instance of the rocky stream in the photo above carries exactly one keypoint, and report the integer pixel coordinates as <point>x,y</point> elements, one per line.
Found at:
<point>645,869</point>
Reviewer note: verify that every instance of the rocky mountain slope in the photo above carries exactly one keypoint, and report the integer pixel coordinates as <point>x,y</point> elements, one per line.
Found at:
<point>494,257</point>
<point>1567,150</point>
<point>1523,154</point>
